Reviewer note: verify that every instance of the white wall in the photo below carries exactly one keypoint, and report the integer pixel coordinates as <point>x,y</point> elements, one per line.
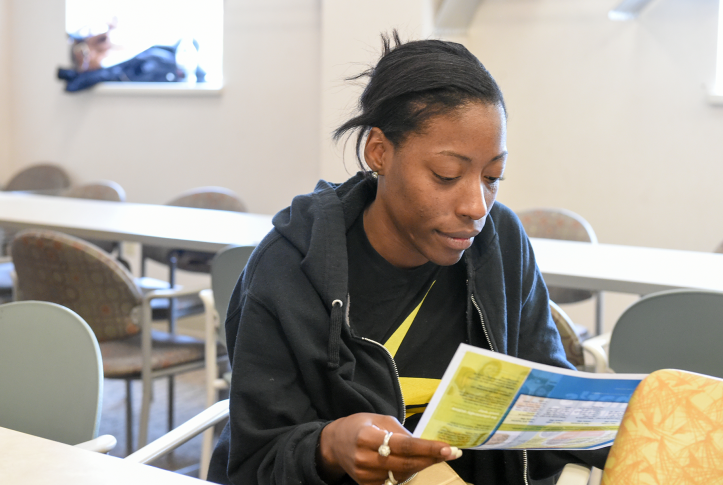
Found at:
<point>606,119</point>
<point>259,138</point>
<point>609,119</point>
<point>351,43</point>
<point>4,89</point>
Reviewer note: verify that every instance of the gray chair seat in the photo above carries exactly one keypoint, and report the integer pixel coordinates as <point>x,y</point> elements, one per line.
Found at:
<point>122,358</point>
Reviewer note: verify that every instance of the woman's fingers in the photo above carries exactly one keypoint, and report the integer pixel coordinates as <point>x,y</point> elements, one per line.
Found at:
<point>401,443</point>
<point>352,445</point>
<point>407,455</point>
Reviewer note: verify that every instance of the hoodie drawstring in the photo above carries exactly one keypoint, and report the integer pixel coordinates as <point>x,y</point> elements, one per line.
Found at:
<point>337,316</point>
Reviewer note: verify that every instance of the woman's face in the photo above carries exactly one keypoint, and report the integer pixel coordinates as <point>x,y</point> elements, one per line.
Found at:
<point>437,187</point>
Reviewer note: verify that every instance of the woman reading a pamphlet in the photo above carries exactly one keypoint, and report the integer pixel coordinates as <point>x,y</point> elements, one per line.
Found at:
<point>351,308</point>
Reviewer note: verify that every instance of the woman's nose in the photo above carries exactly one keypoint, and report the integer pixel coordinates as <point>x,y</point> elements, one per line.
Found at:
<point>473,203</point>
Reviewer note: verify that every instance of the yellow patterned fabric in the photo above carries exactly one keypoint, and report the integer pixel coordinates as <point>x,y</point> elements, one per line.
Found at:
<point>68,271</point>
<point>672,433</point>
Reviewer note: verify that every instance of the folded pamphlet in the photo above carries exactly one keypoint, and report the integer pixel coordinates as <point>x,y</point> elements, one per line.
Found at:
<point>488,400</point>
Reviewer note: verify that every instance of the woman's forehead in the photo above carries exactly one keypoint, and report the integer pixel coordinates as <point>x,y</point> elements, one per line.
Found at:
<point>477,119</point>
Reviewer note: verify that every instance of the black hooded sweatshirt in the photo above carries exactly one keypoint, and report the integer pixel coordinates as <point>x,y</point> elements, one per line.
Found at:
<point>298,364</point>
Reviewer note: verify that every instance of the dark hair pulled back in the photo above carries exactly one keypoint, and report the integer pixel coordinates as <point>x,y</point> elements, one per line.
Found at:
<point>415,81</point>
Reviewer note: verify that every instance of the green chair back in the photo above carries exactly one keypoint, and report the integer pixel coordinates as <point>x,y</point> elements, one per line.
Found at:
<point>51,372</point>
<point>676,329</point>
<point>226,268</point>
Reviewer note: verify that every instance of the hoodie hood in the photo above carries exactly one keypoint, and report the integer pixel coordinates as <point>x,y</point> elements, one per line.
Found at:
<point>316,225</point>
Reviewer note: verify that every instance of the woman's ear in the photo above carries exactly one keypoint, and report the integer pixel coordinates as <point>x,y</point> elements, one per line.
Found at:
<point>376,150</point>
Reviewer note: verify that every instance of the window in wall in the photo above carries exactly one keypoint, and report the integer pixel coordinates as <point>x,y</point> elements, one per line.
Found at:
<point>182,38</point>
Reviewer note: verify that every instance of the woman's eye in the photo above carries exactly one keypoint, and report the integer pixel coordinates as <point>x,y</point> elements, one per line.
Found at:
<point>494,180</point>
<point>443,178</point>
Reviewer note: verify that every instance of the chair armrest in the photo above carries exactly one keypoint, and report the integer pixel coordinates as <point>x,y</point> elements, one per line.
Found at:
<point>145,320</point>
<point>211,339</point>
<point>181,434</point>
<point>171,293</point>
<point>595,346</point>
<point>209,310</point>
<point>574,474</point>
<point>207,298</point>
<point>101,444</point>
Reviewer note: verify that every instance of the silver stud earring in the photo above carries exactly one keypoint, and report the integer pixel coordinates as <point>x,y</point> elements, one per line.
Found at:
<point>375,174</point>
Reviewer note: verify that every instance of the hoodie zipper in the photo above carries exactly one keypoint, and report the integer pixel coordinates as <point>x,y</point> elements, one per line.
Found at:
<point>484,327</point>
<point>489,342</point>
<point>396,376</point>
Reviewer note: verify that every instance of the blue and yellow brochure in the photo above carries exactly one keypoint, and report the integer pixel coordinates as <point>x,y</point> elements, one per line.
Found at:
<point>488,400</point>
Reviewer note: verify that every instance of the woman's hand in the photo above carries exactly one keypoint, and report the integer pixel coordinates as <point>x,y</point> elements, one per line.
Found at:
<point>350,446</point>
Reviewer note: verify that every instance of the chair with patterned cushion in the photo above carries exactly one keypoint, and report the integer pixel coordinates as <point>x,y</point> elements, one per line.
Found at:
<point>570,339</point>
<point>66,270</point>
<point>215,198</point>
<point>45,178</point>
<point>568,226</point>
<point>672,432</point>
<point>101,190</point>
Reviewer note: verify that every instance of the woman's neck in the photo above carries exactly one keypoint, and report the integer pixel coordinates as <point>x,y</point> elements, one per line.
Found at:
<point>384,237</point>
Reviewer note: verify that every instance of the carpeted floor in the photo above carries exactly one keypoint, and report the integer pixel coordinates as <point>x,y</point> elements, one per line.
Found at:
<point>190,399</point>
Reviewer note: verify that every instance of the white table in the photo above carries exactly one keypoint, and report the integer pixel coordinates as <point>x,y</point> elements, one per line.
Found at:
<point>159,225</point>
<point>626,269</point>
<point>608,267</point>
<point>29,460</point>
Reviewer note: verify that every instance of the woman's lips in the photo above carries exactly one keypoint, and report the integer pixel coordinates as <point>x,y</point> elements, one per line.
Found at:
<point>458,241</point>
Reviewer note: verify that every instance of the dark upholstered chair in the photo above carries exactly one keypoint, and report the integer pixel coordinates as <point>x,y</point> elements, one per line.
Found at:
<point>102,190</point>
<point>565,225</point>
<point>45,178</point>
<point>74,273</point>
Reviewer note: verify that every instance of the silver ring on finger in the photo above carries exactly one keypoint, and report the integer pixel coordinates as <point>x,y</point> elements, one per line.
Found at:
<point>384,449</point>
<point>390,480</point>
